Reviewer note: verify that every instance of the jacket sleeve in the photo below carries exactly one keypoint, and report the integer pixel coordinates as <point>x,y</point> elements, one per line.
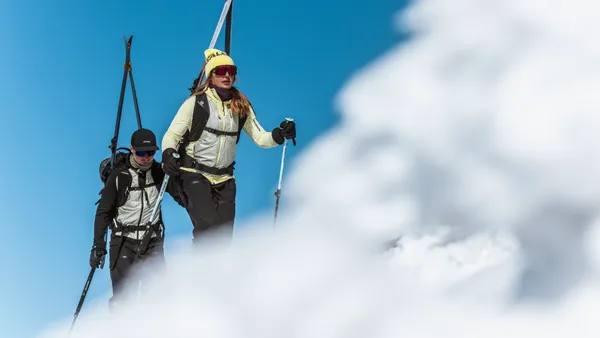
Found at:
<point>261,138</point>
<point>106,209</point>
<point>158,175</point>
<point>180,124</point>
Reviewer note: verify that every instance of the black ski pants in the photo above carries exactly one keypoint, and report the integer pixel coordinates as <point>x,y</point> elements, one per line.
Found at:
<point>211,207</point>
<point>126,271</point>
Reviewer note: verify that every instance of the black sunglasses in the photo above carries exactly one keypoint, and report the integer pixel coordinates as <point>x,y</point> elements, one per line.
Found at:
<point>144,153</point>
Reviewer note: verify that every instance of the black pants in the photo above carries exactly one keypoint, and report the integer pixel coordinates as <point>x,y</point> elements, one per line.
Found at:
<point>125,271</point>
<point>210,207</point>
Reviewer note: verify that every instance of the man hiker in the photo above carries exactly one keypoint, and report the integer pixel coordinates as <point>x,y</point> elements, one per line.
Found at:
<point>131,191</point>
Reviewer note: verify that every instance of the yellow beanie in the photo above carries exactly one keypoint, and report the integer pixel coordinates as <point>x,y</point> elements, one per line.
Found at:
<point>215,58</point>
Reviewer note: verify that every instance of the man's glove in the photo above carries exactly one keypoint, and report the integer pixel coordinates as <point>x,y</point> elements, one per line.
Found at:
<point>171,164</point>
<point>286,130</point>
<point>98,252</point>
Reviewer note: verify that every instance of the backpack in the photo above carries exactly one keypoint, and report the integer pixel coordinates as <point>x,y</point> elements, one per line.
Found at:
<point>121,165</point>
<point>120,162</point>
<point>199,119</point>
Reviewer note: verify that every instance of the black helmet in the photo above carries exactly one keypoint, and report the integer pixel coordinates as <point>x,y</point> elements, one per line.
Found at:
<point>105,167</point>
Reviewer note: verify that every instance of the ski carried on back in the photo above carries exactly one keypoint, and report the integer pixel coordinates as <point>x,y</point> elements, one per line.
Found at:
<point>226,13</point>
<point>108,164</point>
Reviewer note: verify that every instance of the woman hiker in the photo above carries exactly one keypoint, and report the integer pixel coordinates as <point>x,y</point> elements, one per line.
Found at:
<point>199,146</point>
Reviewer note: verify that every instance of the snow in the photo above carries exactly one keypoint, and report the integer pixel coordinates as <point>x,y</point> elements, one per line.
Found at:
<point>461,197</point>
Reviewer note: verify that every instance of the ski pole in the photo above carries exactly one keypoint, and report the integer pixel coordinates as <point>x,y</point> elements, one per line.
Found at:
<point>278,191</point>
<point>88,282</point>
<point>148,234</point>
<point>161,194</point>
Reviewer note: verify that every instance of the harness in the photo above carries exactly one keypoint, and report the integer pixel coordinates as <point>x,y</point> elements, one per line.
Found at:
<point>124,229</point>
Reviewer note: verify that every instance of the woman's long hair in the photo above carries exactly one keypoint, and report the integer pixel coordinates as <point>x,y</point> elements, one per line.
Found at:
<point>239,102</point>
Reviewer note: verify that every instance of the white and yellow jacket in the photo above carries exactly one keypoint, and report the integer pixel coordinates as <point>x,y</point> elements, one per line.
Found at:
<point>211,149</point>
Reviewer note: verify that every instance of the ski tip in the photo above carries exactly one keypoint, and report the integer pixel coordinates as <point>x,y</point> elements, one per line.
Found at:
<point>127,41</point>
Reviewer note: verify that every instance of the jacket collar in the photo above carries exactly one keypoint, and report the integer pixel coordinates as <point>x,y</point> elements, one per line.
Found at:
<point>212,94</point>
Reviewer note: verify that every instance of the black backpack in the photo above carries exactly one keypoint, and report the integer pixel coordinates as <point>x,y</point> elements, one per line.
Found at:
<point>199,119</point>
<point>121,165</point>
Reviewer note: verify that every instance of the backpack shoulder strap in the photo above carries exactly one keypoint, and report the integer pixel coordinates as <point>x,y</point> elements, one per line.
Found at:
<point>123,182</point>
<point>200,117</point>
<point>158,175</point>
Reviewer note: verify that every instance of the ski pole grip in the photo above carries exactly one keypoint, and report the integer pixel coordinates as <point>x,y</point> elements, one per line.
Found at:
<point>289,119</point>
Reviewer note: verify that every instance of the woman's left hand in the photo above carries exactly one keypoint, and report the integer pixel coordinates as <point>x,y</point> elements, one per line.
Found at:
<point>288,129</point>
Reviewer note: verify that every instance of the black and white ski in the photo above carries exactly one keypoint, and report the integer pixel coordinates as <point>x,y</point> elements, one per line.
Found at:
<point>225,14</point>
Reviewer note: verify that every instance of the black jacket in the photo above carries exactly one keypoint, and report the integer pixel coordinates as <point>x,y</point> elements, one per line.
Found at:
<point>124,200</point>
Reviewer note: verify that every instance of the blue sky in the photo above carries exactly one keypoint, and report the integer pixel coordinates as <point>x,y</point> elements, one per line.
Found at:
<point>59,88</point>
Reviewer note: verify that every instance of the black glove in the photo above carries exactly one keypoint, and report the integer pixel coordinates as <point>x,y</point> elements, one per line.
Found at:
<point>96,255</point>
<point>286,130</point>
<point>171,164</point>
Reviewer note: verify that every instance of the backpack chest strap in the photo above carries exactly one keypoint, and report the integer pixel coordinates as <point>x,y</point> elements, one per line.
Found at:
<point>153,184</point>
<point>220,132</point>
<point>200,117</point>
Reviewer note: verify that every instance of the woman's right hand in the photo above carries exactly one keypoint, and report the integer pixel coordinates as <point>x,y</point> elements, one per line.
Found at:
<point>171,163</point>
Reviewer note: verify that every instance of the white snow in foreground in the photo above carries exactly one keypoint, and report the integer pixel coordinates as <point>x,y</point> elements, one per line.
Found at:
<point>476,144</point>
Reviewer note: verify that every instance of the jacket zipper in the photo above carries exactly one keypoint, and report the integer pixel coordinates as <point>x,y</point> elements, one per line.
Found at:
<point>142,191</point>
<point>220,137</point>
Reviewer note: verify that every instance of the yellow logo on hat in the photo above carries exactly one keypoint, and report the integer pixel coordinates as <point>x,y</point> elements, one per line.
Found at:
<point>212,55</point>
